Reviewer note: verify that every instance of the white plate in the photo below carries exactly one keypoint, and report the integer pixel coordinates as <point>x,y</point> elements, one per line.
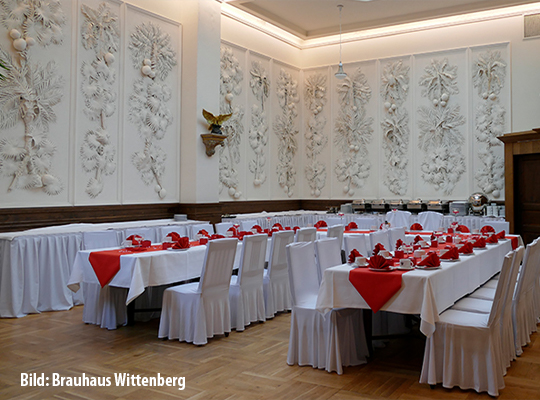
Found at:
<point>170,248</point>
<point>451,260</point>
<point>467,254</point>
<point>426,268</point>
<point>404,269</point>
<point>381,269</point>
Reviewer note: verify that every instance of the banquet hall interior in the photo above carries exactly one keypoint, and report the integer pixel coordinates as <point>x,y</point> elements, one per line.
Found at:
<point>135,126</point>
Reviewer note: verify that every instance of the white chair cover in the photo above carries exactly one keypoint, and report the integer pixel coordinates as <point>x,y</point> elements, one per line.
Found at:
<point>247,224</point>
<point>165,230</point>
<point>465,349</point>
<point>523,315</point>
<point>328,253</point>
<point>100,239</point>
<point>394,235</point>
<point>337,232</point>
<point>146,233</point>
<point>430,220</point>
<point>306,235</point>
<point>399,219</point>
<point>358,242</point>
<point>197,227</point>
<point>222,227</point>
<point>367,222</point>
<point>381,237</point>
<point>330,341</point>
<point>246,292</point>
<point>334,221</point>
<point>195,312</point>
<point>277,293</point>
<point>497,225</point>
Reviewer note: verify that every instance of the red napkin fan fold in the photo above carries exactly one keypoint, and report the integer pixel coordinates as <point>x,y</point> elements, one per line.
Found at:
<point>378,262</point>
<point>182,243</point>
<point>493,239</point>
<point>463,229</point>
<point>480,243</point>
<point>501,235</point>
<point>467,248</point>
<point>204,233</point>
<point>351,226</point>
<point>451,254</point>
<point>487,229</point>
<point>399,243</point>
<point>257,228</point>
<point>431,261</point>
<point>174,236</point>
<point>352,256</point>
<point>416,227</point>
<point>378,247</point>
<point>320,224</point>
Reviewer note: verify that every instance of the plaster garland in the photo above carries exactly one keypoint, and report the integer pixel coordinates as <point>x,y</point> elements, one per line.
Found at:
<point>489,72</point>
<point>440,139</point>
<point>316,140</point>
<point>100,32</point>
<point>284,128</point>
<point>29,92</point>
<point>354,132</point>
<point>395,126</point>
<point>258,133</point>
<point>153,55</point>
<point>229,153</point>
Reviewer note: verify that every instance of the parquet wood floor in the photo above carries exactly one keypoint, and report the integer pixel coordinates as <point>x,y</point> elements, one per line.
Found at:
<point>247,365</point>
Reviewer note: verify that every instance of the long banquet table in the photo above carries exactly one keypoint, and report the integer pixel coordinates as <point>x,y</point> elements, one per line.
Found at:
<point>35,265</point>
<point>427,293</point>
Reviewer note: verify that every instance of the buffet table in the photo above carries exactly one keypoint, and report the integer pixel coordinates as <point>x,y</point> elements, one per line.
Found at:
<point>423,292</point>
<point>35,265</point>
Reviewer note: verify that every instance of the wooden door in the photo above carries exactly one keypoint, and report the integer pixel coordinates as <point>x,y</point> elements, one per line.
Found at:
<point>527,196</point>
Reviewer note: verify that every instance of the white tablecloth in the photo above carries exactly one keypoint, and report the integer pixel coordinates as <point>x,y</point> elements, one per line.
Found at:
<point>427,293</point>
<point>35,265</point>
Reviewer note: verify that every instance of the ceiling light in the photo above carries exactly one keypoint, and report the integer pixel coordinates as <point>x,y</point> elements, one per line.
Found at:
<point>340,74</point>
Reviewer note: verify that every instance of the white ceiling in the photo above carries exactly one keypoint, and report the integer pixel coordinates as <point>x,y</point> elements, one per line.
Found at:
<point>309,19</point>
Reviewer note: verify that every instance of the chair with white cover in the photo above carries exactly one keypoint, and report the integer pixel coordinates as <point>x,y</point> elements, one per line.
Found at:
<point>306,235</point>
<point>381,237</point>
<point>146,233</point>
<point>399,219</point>
<point>395,234</point>
<point>196,311</point>
<point>465,349</point>
<point>328,252</point>
<point>208,227</point>
<point>337,232</point>
<point>105,306</point>
<point>165,230</point>
<point>325,342</point>
<point>246,293</point>
<point>356,241</point>
<point>333,221</point>
<point>431,220</point>
<point>523,310</point>
<point>366,222</point>
<point>247,224</point>
<point>222,227</point>
<point>277,293</point>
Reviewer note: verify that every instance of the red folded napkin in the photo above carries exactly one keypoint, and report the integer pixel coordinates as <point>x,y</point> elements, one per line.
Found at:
<point>501,234</point>
<point>462,229</point>
<point>233,230</point>
<point>296,228</point>
<point>278,226</point>
<point>183,243</point>
<point>487,229</point>
<point>378,247</point>
<point>451,254</point>
<point>288,228</point>
<point>241,234</point>
<point>378,262</point>
<point>354,253</point>
<point>351,226</point>
<point>431,261</point>
<point>493,239</point>
<point>417,239</point>
<point>174,236</point>
<point>416,227</point>
<point>399,243</point>
<point>257,228</point>
<point>204,232</point>
<point>467,248</point>
<point>480,243</point>
<point>216,236</point>
<point>135,237</point>
<point>320,224</point>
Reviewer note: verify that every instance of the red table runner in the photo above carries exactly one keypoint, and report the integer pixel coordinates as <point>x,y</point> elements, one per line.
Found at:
<point>376,288</point>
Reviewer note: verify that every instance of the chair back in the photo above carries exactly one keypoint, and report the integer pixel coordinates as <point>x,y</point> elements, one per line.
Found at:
<point>277,263</point>
<point>399,218</point>
<point>165,230</point>
<point>333,221</point>
<point>381,237</point>
<point>430,220</point>
<point>395,234</point>
<point>146,233</point>
<point>100,239</point>
<point>218,265</point>
<point>526,278</point>
<point>252,260</point>
<point>366,222</point>
<point>222,227</point>
<point>356,241</point>
<point>303,276</point>
<point>208,227</point>
<point>247,224</point>
<point>306,235</point>
<point>337,232</point>
<point>504,277</point>
<point>328,252</point>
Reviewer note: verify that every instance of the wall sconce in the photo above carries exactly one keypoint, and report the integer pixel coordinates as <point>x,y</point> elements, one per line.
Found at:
<point>211,140</point>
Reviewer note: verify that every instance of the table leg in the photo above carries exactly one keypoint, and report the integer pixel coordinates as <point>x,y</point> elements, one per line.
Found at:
<point>131,313</point>
<point>368,329</point>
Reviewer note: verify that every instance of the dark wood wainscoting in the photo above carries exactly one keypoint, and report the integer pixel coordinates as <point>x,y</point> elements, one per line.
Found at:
<point>18,219</point>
